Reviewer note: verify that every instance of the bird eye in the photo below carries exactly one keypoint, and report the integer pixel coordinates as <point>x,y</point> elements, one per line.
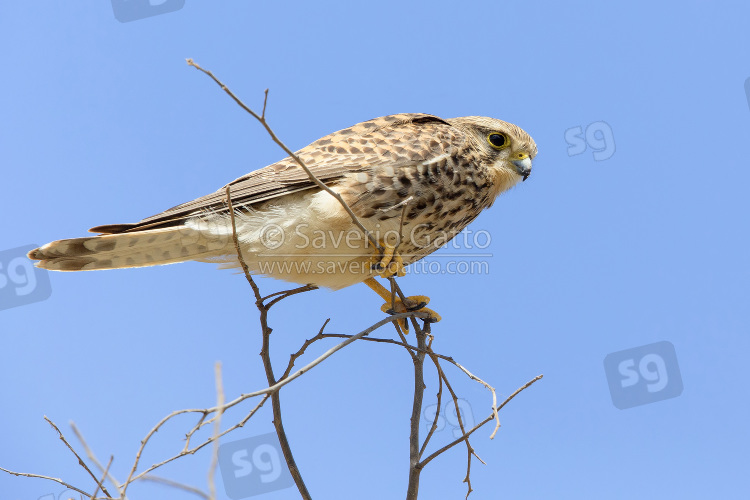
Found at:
<point>498,140</point>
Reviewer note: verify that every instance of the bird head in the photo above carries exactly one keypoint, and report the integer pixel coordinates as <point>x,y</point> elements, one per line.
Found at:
<point>505,149</point>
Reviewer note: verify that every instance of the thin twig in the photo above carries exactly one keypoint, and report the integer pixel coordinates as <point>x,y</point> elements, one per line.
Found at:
<point>91,456</point>
<point>286,292</point>
<point>469,449</point>
<point>433,428</point>
<point>405,204</point>
<point>104,477</point>
<point>289,293</point>
<point>80,460</point>
<point>57,480</point>
<point>237,248</point>
<point>442,377</point>
<point>262,119</point>
<point>302,349</point>
<point>491,389</point>
<point>196,428</point>
<point>267,391</point>
<point>193,450</point>
<point>471,431</point>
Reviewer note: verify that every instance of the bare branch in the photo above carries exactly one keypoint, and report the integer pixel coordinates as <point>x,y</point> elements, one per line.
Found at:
<point>433,428</point>
<point>80,460</point>
<point>278,385</point>
<point>491,389</point>
<point>304,347</point>
<point>104,477</point>
<point>403,205</point>
<point>412,489</point>
<point>471,431</point>
<point>92,457</point>
<point>237,248</point>
<point>193,450</point>
<point>201,422</point>
<point>57,480</point>
<point>262,119</point>
<point>401,296</point>
<point>289,293</point>
<point>265,102</point>
<point>267,391</point>
<point>469,448</point>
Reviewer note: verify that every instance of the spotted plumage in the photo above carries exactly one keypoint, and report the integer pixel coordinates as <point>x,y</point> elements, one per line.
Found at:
<point>414,181</point>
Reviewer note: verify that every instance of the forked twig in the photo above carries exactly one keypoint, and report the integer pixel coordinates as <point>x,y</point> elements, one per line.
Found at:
<point>104,477</point>
<point>91,456</point>
<point>80,460</point>
<point>267,392</point>
<point>262,119</point>
<point>480,424</point>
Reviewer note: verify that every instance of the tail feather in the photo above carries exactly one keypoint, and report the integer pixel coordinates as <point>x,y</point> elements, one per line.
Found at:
<point>112,228</point>
<point>151,247</point>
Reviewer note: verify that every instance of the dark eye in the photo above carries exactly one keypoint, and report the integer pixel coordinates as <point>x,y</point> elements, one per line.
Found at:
<point>498,140</point>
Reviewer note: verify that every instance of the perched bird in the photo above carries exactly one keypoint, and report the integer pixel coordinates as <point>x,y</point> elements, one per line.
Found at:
<point>413,180</point>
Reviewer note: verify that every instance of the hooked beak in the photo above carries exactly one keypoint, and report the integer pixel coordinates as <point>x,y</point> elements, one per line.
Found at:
<point>522,162</point>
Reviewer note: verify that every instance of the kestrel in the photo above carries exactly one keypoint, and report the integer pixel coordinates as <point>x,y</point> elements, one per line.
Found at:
<point>413,180</point>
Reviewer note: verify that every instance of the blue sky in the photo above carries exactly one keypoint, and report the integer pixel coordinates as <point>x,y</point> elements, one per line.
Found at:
<point>103,122</point>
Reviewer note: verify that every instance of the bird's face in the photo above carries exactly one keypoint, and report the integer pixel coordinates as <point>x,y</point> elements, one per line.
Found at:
<point>506,149</point>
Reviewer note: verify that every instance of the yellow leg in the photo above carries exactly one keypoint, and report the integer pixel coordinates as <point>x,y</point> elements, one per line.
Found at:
<point>376,287</point>
<point>390,263</point>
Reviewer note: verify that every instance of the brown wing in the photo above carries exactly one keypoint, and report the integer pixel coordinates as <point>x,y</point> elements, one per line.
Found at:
<point>393,140</point>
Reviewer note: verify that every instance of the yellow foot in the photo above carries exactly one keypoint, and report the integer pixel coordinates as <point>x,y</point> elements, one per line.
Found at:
<point>413,303</point>
<point>390,263</point>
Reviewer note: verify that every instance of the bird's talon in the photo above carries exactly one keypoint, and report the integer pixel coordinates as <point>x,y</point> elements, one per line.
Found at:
<point>433,316</point>
<point>413,303</point>
<point>417,307</point>
<point>396,306</point>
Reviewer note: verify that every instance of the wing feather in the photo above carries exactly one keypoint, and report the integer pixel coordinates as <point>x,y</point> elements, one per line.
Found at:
<point>393,140</point>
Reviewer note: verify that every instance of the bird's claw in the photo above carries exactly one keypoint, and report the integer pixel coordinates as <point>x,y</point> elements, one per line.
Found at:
<point>413,303</point>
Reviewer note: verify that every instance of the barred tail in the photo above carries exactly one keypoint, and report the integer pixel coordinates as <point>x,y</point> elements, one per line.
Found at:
<point>143,248</point>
